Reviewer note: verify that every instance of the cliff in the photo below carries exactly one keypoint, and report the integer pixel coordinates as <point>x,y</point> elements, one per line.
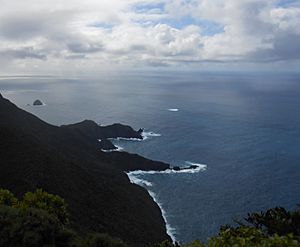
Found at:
<point>67,161</point>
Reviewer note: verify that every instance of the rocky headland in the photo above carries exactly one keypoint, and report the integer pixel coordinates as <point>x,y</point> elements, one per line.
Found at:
<point>68,161</point>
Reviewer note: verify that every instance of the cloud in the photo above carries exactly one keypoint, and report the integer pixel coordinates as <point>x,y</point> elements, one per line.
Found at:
<point>24,53</point>
<point>84,48</point>
<point>48,34</point>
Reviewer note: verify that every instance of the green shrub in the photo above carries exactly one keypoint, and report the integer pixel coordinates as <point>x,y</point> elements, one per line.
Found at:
<point>53,204</point>
<point>7,198</point>
<point>276,221</point>
<point>29,228</point>
<point>251,237</point>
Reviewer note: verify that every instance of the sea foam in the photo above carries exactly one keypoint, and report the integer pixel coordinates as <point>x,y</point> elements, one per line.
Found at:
<point>145,136</point>
<point>144,183</point>
<point>173,109</point>
<point>200,167</point>
<point>118,149</point>
<point>148,134</point>
<point>135,178</point>
<point>171,231</point>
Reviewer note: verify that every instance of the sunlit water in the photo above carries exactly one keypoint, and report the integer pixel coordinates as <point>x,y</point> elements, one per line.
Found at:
<point>245,128</point>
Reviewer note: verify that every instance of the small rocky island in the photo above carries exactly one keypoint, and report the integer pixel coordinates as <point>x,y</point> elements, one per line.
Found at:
<point>37,102</point>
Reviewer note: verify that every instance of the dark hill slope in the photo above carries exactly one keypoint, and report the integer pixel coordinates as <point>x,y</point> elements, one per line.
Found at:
<point>67,162</point>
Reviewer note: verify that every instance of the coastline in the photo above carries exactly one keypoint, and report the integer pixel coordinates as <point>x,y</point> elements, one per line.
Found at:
<point>134,178</point>
<point>170,230</point>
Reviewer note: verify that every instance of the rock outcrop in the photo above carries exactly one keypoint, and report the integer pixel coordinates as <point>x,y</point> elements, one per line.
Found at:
<point>92,130</point>
<point>37,102</point>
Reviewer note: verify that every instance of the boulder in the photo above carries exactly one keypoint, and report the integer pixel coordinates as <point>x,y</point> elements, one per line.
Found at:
<point>37,102</point>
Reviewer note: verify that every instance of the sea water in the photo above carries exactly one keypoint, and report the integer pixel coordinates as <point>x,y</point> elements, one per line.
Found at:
<point>243,129</point>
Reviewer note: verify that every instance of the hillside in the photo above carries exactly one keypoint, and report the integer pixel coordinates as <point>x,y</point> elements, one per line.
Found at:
<point>67,161</point>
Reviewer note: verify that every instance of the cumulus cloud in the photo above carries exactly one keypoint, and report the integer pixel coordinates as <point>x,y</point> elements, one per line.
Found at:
<point>50,34</point>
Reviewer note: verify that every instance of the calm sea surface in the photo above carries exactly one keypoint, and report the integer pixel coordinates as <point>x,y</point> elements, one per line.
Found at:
<point>244,127</point>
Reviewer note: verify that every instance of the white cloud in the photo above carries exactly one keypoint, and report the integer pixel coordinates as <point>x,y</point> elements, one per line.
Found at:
<point>55,34</point>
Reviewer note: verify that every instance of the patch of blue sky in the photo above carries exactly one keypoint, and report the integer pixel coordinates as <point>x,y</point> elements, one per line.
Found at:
<point>101,25</point>
<point>149,7</point>
<point>208,28</point>
<point>287,3</point>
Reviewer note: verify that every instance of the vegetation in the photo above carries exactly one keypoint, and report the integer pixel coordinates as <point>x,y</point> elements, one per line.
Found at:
<point>67,161</point>
<point>276,227</point>
<point>41,219</point>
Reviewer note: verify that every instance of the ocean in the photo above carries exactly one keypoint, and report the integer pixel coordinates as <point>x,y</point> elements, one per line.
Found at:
<point>243,129</point>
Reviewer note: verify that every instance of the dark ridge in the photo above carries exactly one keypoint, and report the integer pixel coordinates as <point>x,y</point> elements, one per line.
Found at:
<point>92,130</point>
<point>67,161</point>
<point>131,162</point>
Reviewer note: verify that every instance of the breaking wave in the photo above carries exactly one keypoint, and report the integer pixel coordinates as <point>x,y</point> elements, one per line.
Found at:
<point>144,183</point>
<point>135,178</point>
<point>145,136</point>
<point>118,149</point>
<point>171,231</point>
<point>148,134</point>
<point>199,168</point>
<point>173,109</point>
<point>125,139</point>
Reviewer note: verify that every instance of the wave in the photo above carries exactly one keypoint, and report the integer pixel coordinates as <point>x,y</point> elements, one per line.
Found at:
<point>125,139</point>
<point>149,134</point>
<point>43,104</point>
<point>144,183</point>
<point>171,231</point>
<point>199,168</point>
<point>134,177</point>
<point>173,109</point>
<point>145,136</point>
<point>118,149</point>
<point>135,180</point>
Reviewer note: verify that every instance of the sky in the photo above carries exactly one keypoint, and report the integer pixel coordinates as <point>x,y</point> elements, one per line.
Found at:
<point>61,36</point>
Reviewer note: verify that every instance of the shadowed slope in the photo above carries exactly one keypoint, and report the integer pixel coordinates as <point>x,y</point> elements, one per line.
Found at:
<point>68,162</point>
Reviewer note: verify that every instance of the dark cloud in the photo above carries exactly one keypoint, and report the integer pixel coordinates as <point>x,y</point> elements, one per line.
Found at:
<point>286,46</point>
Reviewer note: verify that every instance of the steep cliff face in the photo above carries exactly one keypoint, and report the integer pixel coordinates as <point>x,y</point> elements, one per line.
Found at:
<point>67,161</point>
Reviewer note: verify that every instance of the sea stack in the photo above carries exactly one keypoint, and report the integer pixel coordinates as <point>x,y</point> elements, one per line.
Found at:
<point>37,102</point>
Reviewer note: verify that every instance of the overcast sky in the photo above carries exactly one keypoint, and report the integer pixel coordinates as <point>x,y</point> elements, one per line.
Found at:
<point>45,36</point>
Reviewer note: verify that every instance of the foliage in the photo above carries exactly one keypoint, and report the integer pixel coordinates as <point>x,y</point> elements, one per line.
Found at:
<point>39,220</point>
<point>53,204</point>
<point>252,237</point>
<point>39,199</point>
<point>31,228</point>
<point>276,227</point>
<point>7,198</point>
<point>276,220</point>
